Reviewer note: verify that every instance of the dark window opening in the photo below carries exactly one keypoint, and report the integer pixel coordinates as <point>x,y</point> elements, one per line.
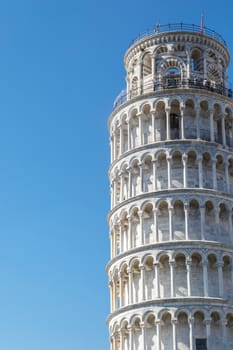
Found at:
<point>201,344</point>
<point>175,126</point>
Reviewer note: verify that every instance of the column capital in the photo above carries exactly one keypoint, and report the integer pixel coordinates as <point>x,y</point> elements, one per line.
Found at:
<point>141,267</point>
<point>174,321</point>
<point>191,321</point>
<point>172,263</point>
<point>184,157</point>
<point>167,109</point>
<point>207,321</point>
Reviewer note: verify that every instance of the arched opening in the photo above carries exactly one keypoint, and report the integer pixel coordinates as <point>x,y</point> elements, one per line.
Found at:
<point>197,60</point>
<point>175,120</point>
<point>194,220</point>
<point>148,224</point>
<point>163,222</point>
<point>228,127</point>
<point>207,171</point>
<point>223,224</point>
<point>220,173</point>
<point>200,331</point>
<point>151,334</point>
<point>134,87</point>
<point>177,170</point>
<point>166,329</point>
<point>215,331</point>
<point>197,288</point>
<point>210,222</point>
<point>146,125</point>
<point>227,277</point>
<point>213,276</point>
<point>148,175</point>
<point>164,277</point>
<point>178,221</point>
<point>136,275</point>
<point>172,77</point>
<point>160,122</point>
<point>162,180</point>
<point>135,239</point>
<point>136,181</point>
<point>182,332</point>
<point>149,278</point>
<point>134,123</point>
<point>192,170</point>
<point>180,278</point>
<point>190,127</point>
<point>146,65</point>
<point>204,121</point>
<point>229,331</point>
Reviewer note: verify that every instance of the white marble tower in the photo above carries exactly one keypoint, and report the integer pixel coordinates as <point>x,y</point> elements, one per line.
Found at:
<point>171,175</point>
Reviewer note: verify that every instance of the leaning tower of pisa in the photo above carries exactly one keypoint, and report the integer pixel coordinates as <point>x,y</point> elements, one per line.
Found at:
<point>171,174</point>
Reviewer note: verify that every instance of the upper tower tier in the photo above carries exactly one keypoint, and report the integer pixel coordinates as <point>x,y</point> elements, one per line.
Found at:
<point>176,56</point>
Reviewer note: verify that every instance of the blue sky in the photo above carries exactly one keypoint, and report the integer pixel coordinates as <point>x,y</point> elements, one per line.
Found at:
<point>61,67</point>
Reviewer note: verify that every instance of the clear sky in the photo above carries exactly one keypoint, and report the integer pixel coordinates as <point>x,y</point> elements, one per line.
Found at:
<point>61,67</point>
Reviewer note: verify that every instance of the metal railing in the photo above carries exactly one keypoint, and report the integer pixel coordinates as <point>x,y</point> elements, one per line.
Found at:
<point>179,27</point>
<point>172,83</point>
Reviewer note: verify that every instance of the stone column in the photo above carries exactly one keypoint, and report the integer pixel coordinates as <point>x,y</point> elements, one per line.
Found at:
<point>224,336</point>
<point>153,125</point>
<point>122,304</point>
<point>155,225</point>
<point>205,278</point>
<point>186,217</point>
<point>211,125</point>
<point>188,268</point>
<point>131,345</point>
<point>129,169</point>
<point>111,295</point>
<point>227,176</point>
<point>142,284</point>
<point>202,213</point>
<point>113,342</point>
<point>129,243</point>
<point>216,212</point>
<point>121,174</point>
<point>230,225</point>
<point>174,322</point>
<point>214,174</point>
<point>141,177</point>
<point>157,284</point>
<point>121,138</point>
<point>172,265</point>
<point>220,278</point>
<point>121,226</point>
<point>168,133</point>
<point>185,159</point>
<point>182,122</point>
<point>198,112</point>
<point>140,214</point>
<point>170,212</point>
<point>208,322</point>
<point>200,172</point>
<point>115,190</point>
<point>129,135</point>
<point>155,174</point>
<point>158,334</point>
<point>142,324</point>
<point>191,323</point>
<point>169,171</point>
<point>140,127</point>
<point>130,298</point>
<point>223,131</point>
<point>122,339</point>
